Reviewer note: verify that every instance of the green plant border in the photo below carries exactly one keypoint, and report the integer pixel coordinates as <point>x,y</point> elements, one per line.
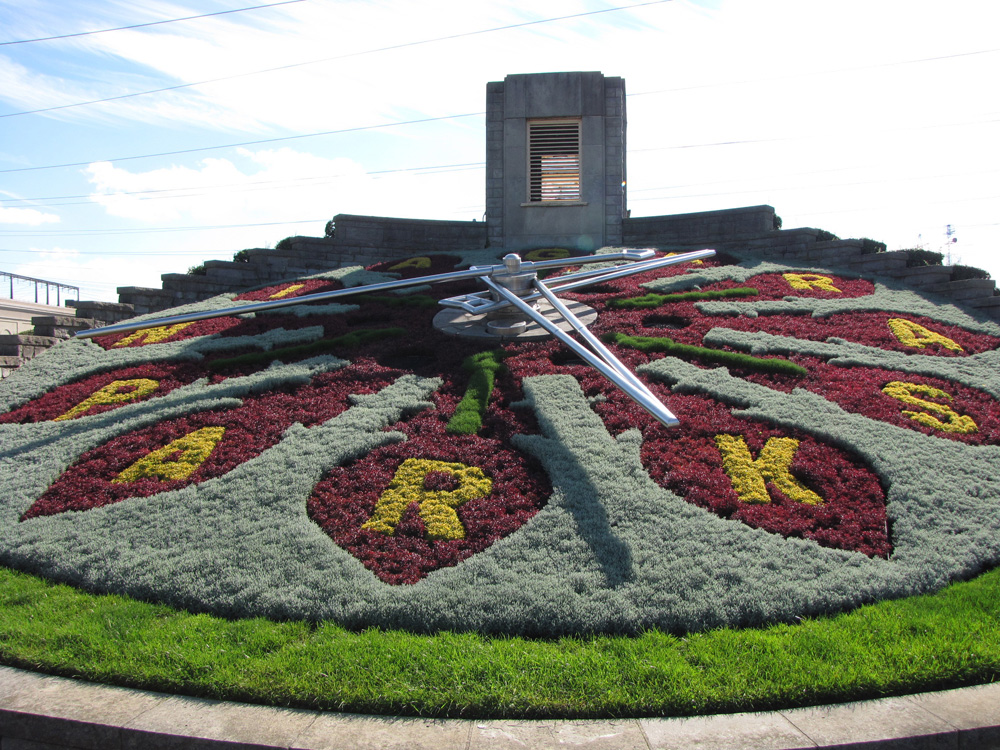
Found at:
<point>935,641</point>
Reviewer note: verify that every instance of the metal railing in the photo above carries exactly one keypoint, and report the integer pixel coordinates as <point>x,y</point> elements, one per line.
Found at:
<point>38,283</point>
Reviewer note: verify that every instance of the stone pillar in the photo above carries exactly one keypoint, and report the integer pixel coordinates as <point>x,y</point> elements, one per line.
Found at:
<point>519,219</point>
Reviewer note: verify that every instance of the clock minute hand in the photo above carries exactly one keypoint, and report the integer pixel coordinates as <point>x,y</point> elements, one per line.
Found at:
<point>598,357</point>
<point>471,273</point>
<point>483,302</point>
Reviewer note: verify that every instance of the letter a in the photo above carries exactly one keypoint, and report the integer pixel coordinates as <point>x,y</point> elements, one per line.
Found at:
<point>749,477</point>
<point>176,460</point>
<point>419,262</point>
<point>915,335</point>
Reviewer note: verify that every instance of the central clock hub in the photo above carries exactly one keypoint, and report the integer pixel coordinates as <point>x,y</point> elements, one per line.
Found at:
<point>509,322</point>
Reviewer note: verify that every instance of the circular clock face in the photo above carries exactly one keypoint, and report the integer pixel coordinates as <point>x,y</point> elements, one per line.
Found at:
<point>348,460</point>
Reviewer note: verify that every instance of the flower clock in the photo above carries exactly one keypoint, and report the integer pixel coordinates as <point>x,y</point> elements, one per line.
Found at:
<point>793,441</point>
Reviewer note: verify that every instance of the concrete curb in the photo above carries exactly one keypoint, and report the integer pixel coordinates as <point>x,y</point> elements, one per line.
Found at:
<point>40,712</point>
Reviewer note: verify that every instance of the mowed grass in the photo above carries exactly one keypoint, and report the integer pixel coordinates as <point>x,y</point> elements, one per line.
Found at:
<point>929,642</point>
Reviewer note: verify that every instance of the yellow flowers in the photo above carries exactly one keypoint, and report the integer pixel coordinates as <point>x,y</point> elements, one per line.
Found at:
<point>176,460</point>
<point>749,476</point>
<point>420,262</point>
<point>806,281</point>
<point>152,335</point>
<point>437,507</point>
<point>286,291</point>
<point>915,335</point>
<point>941,417</point>
<point>115,392</point>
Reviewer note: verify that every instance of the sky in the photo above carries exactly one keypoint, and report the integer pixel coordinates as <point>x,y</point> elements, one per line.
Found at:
<point>130,153</point>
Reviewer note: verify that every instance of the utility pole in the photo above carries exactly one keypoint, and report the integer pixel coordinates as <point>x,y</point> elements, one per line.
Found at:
<point>949,233</point>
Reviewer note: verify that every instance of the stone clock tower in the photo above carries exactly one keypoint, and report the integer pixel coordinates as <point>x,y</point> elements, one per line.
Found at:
<point>555,161</point>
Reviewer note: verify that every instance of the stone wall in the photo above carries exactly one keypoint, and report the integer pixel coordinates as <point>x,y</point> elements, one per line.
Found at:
<point>730,224</point>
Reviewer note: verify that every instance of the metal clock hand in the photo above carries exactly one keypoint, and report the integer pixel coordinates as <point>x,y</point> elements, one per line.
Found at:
<point>511,283</point>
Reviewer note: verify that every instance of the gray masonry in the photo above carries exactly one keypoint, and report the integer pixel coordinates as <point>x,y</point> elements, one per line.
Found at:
<point>514,221</point>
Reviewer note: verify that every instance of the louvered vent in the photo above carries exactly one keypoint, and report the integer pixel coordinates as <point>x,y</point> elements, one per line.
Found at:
<point>554,160</point>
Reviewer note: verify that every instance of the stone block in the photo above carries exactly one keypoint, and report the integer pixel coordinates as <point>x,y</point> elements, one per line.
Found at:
<point>872,722</point>
<point>337,731</point>
<point>965,289</point>
<point>105,312</point>
<point>725,732</point>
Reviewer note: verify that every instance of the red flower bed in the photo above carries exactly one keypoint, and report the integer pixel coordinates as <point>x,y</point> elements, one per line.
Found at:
<point>289,290</point>
<point>346,499</point>
<point>163,334</point>
<point>688,461</point>
<point>61,400</point>
<point>862,390</point>
<point>418,265</point>
<point>249,430</point>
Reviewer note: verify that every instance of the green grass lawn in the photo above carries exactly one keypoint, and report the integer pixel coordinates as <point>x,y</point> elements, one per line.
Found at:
<point>947,639</point>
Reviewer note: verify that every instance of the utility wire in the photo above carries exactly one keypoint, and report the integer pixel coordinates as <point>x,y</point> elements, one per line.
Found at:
<point>336,57</point>
<point>712,144</point>
<point>143,25</point>
<point>151,230</point>
<point>809,74</point>
<point>247,185</point>
<point>247,143</point>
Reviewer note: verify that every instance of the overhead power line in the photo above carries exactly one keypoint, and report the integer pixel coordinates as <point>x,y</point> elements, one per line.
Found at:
<point>246,143</point>
<point>152,230</point>
<point>336,57</point>
<point>712,144</point>
<point>252,185</point>
<point>810,74</point>
<point>150,23</point>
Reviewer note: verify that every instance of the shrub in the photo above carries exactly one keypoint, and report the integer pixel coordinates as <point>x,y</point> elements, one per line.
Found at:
<point>241,256</point>
<point>825,236</point>
<point>198,270</point>
<point>285,244</point>
<point>968,272</point>
<point>919,257</point>
<point>330,229</point>
<point>870,246</point>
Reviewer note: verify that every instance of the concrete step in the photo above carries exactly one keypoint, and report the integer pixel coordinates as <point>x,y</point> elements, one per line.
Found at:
<point>962,290</point>
<point>106,312</point>
<point>922,276</point>
<point>61,326</point>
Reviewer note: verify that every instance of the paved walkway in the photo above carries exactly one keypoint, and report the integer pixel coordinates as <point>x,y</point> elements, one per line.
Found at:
<point>39,712</point>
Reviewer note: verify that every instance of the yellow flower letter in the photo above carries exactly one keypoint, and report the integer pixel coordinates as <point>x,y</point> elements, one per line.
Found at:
<point>437,507</point>
<point>810,281</point>
<point>946,419</point>
<point>153,335</point>
<point>547,253</point>
<point>419,263</point>
<point>749,477</point>
<point>286,291</point>
<point>115,392</point>
<point>915,335</point>
<point>165,463</point>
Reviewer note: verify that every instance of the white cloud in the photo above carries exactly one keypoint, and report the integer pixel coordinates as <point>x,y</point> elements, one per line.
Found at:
<point>277,185</point>
<point>29,216</point>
